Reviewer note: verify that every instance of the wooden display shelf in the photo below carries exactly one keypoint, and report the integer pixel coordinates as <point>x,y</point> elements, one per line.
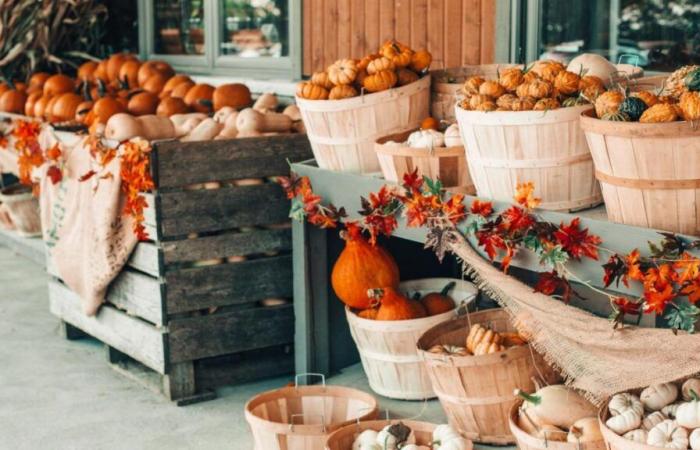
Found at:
<point>31,248</point>
<point>186,311</point>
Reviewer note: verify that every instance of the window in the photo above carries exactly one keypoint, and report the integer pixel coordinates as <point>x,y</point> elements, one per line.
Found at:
<point>260,38</point>
<point>654,34</point>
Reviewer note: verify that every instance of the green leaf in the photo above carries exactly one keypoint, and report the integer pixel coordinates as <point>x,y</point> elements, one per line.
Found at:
<point>554,256</point>
<point>683,317</point>
<point>532,242</point>
<point>434,186</point>
<point>297,212</point>
<point>474,222</point>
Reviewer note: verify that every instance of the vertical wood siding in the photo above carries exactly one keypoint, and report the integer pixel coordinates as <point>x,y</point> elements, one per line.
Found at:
<point>456,32</point>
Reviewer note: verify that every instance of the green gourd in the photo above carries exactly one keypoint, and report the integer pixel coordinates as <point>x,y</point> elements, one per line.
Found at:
<point>692,80</point>
<point>633,108</point>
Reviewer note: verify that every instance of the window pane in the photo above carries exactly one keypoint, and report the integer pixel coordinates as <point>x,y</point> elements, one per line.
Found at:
<point>654,34</point>
<point>179,27</point>
<point>255,28</point>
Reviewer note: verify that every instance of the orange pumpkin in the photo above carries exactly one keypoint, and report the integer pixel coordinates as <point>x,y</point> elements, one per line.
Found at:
<point>649,98</point>
<point>342,91</point>
<point>381,81</point>
<point>13,101</point>
<point>545,104</point>
<point>361,267</point>
<point>105,108</point>
<point>58,84</point>
<point>114,65</point>
<point>83,112</point>
<point>86,71</point>
<point>41,105</point>
<point>487,106</point>
<point>128,73</point>
<point>406,76</point>
<point>199,98</point>
<point>690,105</point>
<point>567,82</point>
<point>608,103</point>
<point>181,89</point>
<point>420,61</point>
<point>235,95</point>
<point>170,106</point>
<point>659,113</point>
<point>439,302</point>
<point>150,68</point>
<point>48,110</point>
<point>395,306</point>
<point>430,123</point>
<point>591,87</point>
<point>311,91</point>
<point>399,54</point>
<point>155,84</point>
<point>379,64</point>
<point>506,101</point>
<point>342,71</point>
<point>369,313</point>
<point>321,79</point>
<point>65,106</point>
<point>492,89</point>
<point>539,89</point>
<point>173,82</point>
<point>100,72</point>
<point>523,104</point>
<point>31,101</point>
<point>547,69</point>
<point>471,85</point>
<point>364,62</point>
<point>37,80</point>
<point>478,99</point>
<point>511,78</point>
<point>143,103</point>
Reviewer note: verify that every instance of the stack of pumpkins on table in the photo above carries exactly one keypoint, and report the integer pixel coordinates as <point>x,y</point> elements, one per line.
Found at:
<point>394,64</point>
<point>122,97</point>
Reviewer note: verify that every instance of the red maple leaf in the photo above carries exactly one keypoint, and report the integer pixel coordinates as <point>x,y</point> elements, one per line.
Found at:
<point>322,220</point>
<point>54,174</point>
<point>491,243</point>
<point>576,241</point>
<point>380,199</point>
<point>692,290</point>
<point>657,279</point>
<point>550,283</point>
<point>412,181</point>
<point>87,176</point>
<point>689,267</point>
<point>516,219</point>
<point>656,301</point>
<point>627,306</point>
<point>633,270</point>
<point>484,209</point>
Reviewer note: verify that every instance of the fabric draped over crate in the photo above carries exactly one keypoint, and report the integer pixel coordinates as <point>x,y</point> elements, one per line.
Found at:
<point>587,351</point>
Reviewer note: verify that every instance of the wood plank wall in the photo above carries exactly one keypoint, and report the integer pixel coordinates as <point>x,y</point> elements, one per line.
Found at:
<point>456,32</point>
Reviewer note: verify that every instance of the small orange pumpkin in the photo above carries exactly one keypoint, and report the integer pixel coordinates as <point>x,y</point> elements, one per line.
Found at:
<point>155,67</point>
<point>364,62</point>
<point>369,313</point>
<point>591,87</point>
<point>539,89</point>
<point>143,103</point>
<point>37,80</point>
<point>511,78</point>
<point>86,71</point>
<point>487,106</point>
<point>430,123</point>
<point>492,89</point>
<point>471,85</point>
<point>608,103</point>
<point>321,79</point>
<point>523,104</point>
<point>649,98</point>
<point>58,84</point>
<point>170,106</point>
<point>155,83</point>
<point>506,101</point>
<point>545,104</point>
<point>399,54</point>
<point>311,91</point>
<point>406,76</point>
<point>342,71</point>
<point>567,82</point>
<point>13,101</point>
<point>379,64</point>
<point>478,99</point>
<point>40,106</point>
<point>128,73</point>
<point>114,65</point>
<point>31,101</point>
<point>181,89</point>
<point>439,302</point>
<point>199,98</point>
<point>381,81</point>
<point>173,82</point>
<point>235,95</point>
<point>342,91</point>
<point>100,72</point>
<point>83,112</point>
<point>690,105</point>
<point>421,60</point>
<point>65,106</point>
<point>105,108</point>
<point>548,69</point>
<point>395,306</point>
<point>659,113</point>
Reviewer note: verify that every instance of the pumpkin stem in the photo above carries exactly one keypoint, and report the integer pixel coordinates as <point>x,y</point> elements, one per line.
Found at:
<point>694,395</point>
<point>448,287</point>
<point>352,232</point>
<point>375,293</point>
<point>530,398</point>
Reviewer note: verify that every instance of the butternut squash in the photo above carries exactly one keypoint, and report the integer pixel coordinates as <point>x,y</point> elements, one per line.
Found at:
<point>293,112</point>
<point>122,127</point>
<point>207,130</point>
<point>227,133</point>
<point>156,127</point>
<point>184,123</point>
<point>252,120</point>
<point>266,103</point>
<point>222,114</point>
<point>248,133</point>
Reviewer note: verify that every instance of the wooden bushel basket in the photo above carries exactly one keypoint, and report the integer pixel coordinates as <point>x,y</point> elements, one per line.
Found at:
<point>388,348</point>
<point>547,148</point>
<point>649,172</point>
<point>343,438</point>
<point>448,164</point>
<point>23,209</point>
<point>528,442</point>
<point>342,132</point>
<point>302,417</point>
<point>476,392</point>
<point>614,441</point>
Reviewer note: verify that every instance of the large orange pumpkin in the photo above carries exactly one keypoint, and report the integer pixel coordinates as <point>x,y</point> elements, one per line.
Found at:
<point>65,106</point>
<point>172,83</point>
<point>58,84</point>
<point>235,95</point>
<point>181,89</point>
<point>395,306</point>
<point>143,103</point>
<point>37,80</point>
<point>361,267</point>
<point>150,68</point>
<point>155,83</point>
<point>105,108</point>
<point>100,72</point>
<point>199,97</point>
<point>128,73</point>
<point>86,71</point>
<point>48,110</point>
<point>171,105</point>
<point>40,106</point>
<point>115,63</point>
<point>13,101</point>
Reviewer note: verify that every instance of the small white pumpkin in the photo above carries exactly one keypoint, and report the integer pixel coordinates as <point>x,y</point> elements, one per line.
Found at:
<point>387,440</point>
<point>691,384</point>
<point>452,136</point>
<point>622,423</point>
<point>414,447</point>
<point>592,64</point>
<point>370,446</point>
<point>688,414</point>
<point>620,403</point>
<point>695,439</point>
<point>653,419</point>
<point>670,410</point>
<point>637,435</point>
<point>668,434</point>
<point>426,139</point>
<point>447,438</point>
<point>585,430</point>
<point>367,437</point>
<point>659,395</point>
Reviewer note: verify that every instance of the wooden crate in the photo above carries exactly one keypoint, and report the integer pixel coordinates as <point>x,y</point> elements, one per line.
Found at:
<point>192,326</point>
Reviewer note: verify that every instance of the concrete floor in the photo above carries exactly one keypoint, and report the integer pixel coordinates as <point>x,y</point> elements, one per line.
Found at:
<point>58,394</point>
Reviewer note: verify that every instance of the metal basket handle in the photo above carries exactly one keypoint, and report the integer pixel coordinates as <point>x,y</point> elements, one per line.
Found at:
<point>322,416</point>
<point>308,375</point>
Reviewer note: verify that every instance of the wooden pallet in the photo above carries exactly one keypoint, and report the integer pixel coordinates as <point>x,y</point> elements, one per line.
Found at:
<point>187,326</point>
<point>31,248</point>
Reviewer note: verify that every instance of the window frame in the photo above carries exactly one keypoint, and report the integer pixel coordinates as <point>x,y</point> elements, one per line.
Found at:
<point>213,62</point>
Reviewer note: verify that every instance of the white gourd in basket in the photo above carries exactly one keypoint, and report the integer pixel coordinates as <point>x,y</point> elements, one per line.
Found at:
<point>637,435</point>
<point>668,434</point>
<point>688,414</point>
<point>695,439</point>
<point>627,411</point>
<point>691,384</point>
<point>426,139</point>
<point>557,405</point>
<point>659,395</point>
<point>652,420</point>
<point>452,136</point>
<point>622,423</point>
<point>671,410</point>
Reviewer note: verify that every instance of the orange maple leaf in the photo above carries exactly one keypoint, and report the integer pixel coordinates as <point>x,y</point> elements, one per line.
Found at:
<point>54,152</point>
<point>692,290</point>
<point>524,195</point>
<point>656,301</point>
<point>633,270</point>
<point>657,279</point>
<point>689,267</point>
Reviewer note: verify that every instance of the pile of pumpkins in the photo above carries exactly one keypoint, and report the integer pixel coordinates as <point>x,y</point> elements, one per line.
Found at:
<point>394,64</point>
<point>481,340</point>
<point>677,100</point>
<point>665,415</point>
<point>430,136</point>
<point>399,436</point>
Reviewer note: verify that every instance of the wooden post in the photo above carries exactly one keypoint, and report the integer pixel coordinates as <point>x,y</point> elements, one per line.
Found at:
<point>179,381</point>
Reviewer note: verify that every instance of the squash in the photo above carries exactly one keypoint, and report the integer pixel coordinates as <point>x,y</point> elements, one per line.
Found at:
<point>621,403</point>
<point>185,127</point>
<point>439,302</point>
<point>421,60</point>
<point>659,395</point>
<point>486,348</point>
<point>511,78</point>
<point>83,113</point>
<point>155,84</point>
<point>430,123</point>
<point>222,115</point>
<point>492,89</point>
<point>632,107</point>
<point>199,97</point>
<point>651,420</point>
<point>379,64</point>
<point>37,80</point>
<point>380,81</point>
<point>624,422</point>
<point>479,334</point>
<point>592,64</point>
<point>637,435</point>
<point>692,80</point>
<point>342,91</point>
<point>477,100</point>
<point>105,108</point>
<point>567,83</point>
<point>399,54</point>
<point>690,105</point>
<point>367,440</point>
<point>122,127</point>
<point>170,106</point>
<point>452,136</point>
<point>31,101</point>
<point>41,105</point>
<point>393,305</point>
<point>206,130</point>
<point>181,89</point>
<point>690,388</point>
<point>695,439</point>
<point>547,70</point>
<point>86,72</point>
<point>321,79</point>
<point>585,430</point>
<point>361,267</point>
<point>128,74</point>
<point>311,91</point>
<point>267,102</point>
<point>668,434</point>
<point>523,90</point>
<point>234,95</point>
<point>64,107</point>
<point>173,82</point>
<point>487,106</point>
<point>156,127</point>
<point>671,410</point>
<point>100,72</point>
<point>252,120</point>
<point>590,86</point>
<point>406,76</point>
<point>471,85</point>
<point>13,101</point>
<point>48,110</point>
<point>506,101</point>
<point>688,414</point>
<point>58,84</point>
<point>649,98</point>
<point>155,67</point>
<point>539,89</point>
<point>369,313</point>
<point>293,112</point>
<point>523,104</point>
<point>342,71</point>
<point>143,103</point>
<point>608,103</point>
<point>557,405</point>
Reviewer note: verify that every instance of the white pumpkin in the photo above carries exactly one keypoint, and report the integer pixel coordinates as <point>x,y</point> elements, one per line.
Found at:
<point>365,438</point>
<point>653,419</point>
<point>695,439</point>
<point>369,446</point>
<point>691,384</point>
<point>668,434</point>
<point>585,430</point>
<point>426,139</point>
<point>387,440</point>
<point>622,423</point>
<point>659,395</point>
<point>592,64</point>
<point>637,435</point>
<point>452,136</point>
<point>670,410</point>
<point>414,447</point>
<point>688,414</point>
<point>620,403</point>
<point>447,438</point>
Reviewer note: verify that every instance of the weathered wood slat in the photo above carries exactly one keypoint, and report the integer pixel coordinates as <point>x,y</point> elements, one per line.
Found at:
<point>220,334</point>
<point>228,244</point>
<point>139,295</point>
<point>146,258</point>
<point>30,248</point>
<point>229,284</point>
<point>221,209</point>
<point>248,366</point>
<point>141,341</point>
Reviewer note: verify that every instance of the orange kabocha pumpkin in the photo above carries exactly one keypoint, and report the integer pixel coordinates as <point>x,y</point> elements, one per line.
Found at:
<point>430,123</point>
<point>155,84</point>
<point>128,74</point>
<point>65,106</point>
<point>58,84</point>
<point>420,61</point>
<point>235,95</point>
<point>83,112</point>
<point>13,101</point>
<point>439,302</point>
<point>381,81</point>
<point>105,108</point>
<point>395,306</point>
<point>86,71</point>
<point>360,267</point>
<point>342,91</point>
<point>31,101</point>
<point>37,80</point>
<point>100,72</point>
<point>143,103</point>
<point>312,91</point>
<point>397,53</point>
<point>199,98</point>
<point>40,106</point>
<point>115,63</point>
<point>174,82</point>
<point>321,79</point>
<point>170,106</point>
<point>181,89</point>
<point>150,68</point>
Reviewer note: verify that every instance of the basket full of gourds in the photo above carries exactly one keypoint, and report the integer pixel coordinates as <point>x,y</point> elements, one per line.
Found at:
<point>353,102</point>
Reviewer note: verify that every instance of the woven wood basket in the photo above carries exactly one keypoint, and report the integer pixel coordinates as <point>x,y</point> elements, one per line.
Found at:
<point>528,442</point>
<point>548,148</point>
<point>302,417</point>
<point>342,132</point>
<point>476,392</point>
<point>388,348</point>
<point>649,173</point>
<point>343,438</point>
<point>23,209</point>
<point>448,164</point>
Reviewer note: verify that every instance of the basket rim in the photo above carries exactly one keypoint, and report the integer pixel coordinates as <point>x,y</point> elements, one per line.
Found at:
<point>515,118</point>
<point>677,129</point>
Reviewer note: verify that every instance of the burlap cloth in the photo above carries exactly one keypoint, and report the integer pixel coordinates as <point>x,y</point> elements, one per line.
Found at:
<point>88,239</point>
<point>586,350</point>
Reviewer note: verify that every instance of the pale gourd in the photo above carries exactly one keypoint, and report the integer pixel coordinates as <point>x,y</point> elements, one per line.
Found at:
<point>447,438</point>
<point>452,137</point>
<point>659,395</point>
<point>592,64</point>
<point>293,112</point>
<point>156,127</point>
<point>670,410</point>
<point>122,127</point>
<point>668,434</point>
<point>415,447</point>
<point>266,103</point>
<point>653,419</point>
<point>637,435</point>
<point>366,438</point>
<point>585,430</point>
<point>620,403</point>
<point>248,134</point>
<point>691,384</point>
<point>207,130</point>
<point>222,115</point>
<point>184,123</point>
<point>187,126</point>
<point>622,423</point>
<point>252,120</point>
<point>227,133</point>
<point>695,439</point>
<point>526,423</point>
<point>557,405</point>
<point>426,139</point>
<point>387,440</point>
<point>688,414</point>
